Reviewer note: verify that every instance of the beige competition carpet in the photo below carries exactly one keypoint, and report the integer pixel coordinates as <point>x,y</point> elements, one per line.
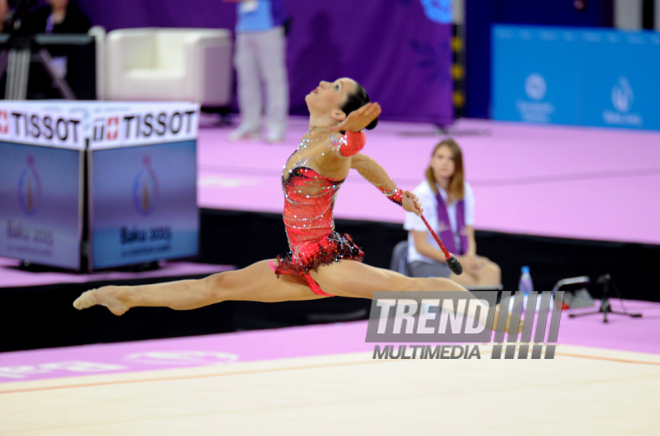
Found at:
<point>583,391</point>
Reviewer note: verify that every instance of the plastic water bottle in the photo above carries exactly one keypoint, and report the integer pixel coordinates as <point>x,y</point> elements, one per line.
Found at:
<point>525,285</point>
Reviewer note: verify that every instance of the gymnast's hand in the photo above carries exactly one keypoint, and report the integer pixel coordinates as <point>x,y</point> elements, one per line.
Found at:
<point>410,203</point>
<point>359,119</point>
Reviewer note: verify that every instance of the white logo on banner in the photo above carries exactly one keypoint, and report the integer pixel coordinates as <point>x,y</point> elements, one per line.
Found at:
<point>622,95</point>
<point>535,86</point>
<point>181,358</point>
<point>622,98</point>
<point>535,111</point>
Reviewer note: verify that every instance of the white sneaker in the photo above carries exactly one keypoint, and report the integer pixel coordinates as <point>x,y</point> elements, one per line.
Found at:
<point>273,137</point>
<point>243,133</point>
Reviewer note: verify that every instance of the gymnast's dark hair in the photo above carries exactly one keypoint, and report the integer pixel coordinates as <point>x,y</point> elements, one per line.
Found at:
<point>355,101</point>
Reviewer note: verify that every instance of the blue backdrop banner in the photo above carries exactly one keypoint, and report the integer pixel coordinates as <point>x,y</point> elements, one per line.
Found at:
<point>40,207</point>
<point>144,203</point>
<point>564,75</point>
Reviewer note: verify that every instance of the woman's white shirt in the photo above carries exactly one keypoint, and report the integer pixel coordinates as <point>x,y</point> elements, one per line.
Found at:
<point>429,203</point>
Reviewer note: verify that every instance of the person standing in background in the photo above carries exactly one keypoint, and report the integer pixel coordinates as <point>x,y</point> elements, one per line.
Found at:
<point>260,56</point>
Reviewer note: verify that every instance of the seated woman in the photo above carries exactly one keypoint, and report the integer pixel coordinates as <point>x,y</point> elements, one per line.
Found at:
<point>448,204</point>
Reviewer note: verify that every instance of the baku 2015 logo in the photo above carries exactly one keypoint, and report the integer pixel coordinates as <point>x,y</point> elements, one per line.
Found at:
<point>145,188</point>
<point>535,86</point>
<point>29,188</point>
<point>622,95</point>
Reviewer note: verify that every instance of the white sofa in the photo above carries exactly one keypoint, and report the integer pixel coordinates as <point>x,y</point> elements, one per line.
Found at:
<point>170,64</point>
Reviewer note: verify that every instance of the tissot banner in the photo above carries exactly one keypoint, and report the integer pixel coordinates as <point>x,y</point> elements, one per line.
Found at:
<point>142,124</point>
<point>141,181</point>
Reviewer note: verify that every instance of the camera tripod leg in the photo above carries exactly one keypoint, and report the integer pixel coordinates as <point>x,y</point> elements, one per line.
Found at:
<point>16,63</point>
<point>4,58</point>
<point>605,306</point>
<point>60,83</point>
<point>18,69</point>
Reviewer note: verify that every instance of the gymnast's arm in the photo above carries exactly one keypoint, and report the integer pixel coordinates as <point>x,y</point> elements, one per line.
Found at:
<point>345,148</point>
<point>334,160</point>
<point>347,140</point>
<point>376,175</point>
<point>372,172</point>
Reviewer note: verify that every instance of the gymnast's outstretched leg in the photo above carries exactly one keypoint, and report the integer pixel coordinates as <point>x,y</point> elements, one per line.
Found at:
<point>256,282</point>
<point>349,278</point>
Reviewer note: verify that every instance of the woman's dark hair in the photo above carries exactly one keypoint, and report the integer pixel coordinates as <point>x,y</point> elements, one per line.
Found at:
<point>355,101</point>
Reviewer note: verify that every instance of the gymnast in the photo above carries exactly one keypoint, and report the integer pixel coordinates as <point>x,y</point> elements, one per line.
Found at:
<point>322,263</point>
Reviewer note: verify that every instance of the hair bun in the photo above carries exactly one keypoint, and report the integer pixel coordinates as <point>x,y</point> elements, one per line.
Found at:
<point>355,101</point>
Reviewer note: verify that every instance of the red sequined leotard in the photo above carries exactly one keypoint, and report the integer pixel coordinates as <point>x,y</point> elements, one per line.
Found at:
<point>308,215</point>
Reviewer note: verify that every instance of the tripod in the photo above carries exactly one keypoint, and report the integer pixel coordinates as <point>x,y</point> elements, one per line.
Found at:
<point>16,62</point>
<point>605,306</point>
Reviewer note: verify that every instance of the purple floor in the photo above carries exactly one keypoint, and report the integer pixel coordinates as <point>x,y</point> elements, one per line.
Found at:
<point>573,182</point>
<point>622,333</point>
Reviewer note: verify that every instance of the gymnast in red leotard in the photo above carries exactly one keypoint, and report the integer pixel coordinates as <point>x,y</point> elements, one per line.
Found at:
<point>309,202</point>
<point>322,262</point>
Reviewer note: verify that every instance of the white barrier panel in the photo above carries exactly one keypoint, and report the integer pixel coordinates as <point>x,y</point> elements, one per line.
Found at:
<point>40,127</point>
<point>142,125</point>
<point>142,200</point>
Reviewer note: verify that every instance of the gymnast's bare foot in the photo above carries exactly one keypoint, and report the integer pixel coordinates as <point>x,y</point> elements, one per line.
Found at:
<point>107,296</point>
